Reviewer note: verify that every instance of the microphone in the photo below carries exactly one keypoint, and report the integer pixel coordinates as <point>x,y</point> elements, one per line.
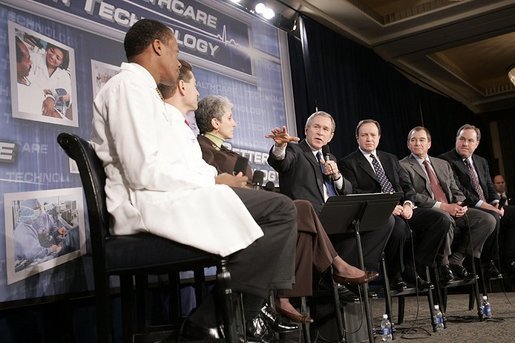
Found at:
<point>325,152</point>
<point>270,186</point>
<point>257,179</point>
<point>241,165</point>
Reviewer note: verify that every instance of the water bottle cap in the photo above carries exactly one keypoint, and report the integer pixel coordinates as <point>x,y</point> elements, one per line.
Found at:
<point>385,316</point>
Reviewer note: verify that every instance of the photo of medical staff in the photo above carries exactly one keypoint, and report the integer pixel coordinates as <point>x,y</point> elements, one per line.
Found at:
<point>46,231</point>
<point>42,83</point>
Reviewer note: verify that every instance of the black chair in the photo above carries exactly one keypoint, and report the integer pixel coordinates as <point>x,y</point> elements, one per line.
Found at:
<point>134,257</point>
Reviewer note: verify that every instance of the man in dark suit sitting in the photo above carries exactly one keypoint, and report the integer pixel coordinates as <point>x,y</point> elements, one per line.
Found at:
<point>305,172</point>
<point>372,171</point>
<point>433,180</point>
<point>473,177</point>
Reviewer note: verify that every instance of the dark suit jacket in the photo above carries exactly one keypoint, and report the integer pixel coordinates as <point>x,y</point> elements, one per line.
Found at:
<point>223,160</point>
<point>359,172</point>
<point>300,176</point>
<point>462,177</point>
<point>420,180</point>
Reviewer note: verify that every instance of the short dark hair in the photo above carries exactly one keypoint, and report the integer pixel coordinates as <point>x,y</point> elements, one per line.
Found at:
<point>469,127</point>
<point>212,106</point>
<point>368,121</point>
<point>142,34</point>
<point>419,128</point>
<point>185,74</point>
<point>186,71</point>
<point>66,56</point>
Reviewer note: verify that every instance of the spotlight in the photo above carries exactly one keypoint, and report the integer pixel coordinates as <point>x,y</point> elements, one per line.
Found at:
<point>260,8</point>
<point>268,13</point>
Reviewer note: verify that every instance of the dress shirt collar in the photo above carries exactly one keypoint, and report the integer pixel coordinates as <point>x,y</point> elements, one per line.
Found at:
<point>217,141</point>
<point>421,160</point>
<point>367,154</point>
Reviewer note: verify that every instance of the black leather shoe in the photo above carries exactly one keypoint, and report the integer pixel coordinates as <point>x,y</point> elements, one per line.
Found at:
<point>346,295</point>
<point>258,331</point>
<point>445,274</point>
<point>460,272</point>
<point>275,322</point>
<point>421,283</point>
<point>192,332</point>
<point>398,284</point>
<point>490,270</point>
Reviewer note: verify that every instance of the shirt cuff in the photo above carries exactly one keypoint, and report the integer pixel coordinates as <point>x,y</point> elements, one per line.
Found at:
<point>279,152</point>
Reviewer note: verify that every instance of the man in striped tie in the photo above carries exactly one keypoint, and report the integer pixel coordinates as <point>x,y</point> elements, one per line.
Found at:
<point>473,177</point>
<point>433,180</point>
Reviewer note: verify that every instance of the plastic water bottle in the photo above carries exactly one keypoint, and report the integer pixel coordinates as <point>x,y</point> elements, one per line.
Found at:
<point>438,317</point>
<point>386,329</point>
<point>486,309</point>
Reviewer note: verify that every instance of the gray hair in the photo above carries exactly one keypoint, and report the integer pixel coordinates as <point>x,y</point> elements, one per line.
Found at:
<point>321,114</point>
<point>212,106</point>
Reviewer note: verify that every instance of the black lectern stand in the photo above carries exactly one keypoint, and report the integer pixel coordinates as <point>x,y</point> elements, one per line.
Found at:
<point>359,213</point>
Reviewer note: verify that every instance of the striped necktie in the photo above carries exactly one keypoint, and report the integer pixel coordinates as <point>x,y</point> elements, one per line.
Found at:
<point>475,180</point>
<point>386,186</point>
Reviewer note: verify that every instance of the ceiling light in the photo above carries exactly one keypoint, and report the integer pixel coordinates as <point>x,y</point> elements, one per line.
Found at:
<point>236,1</point>
<point>260,8</point>
<point>511,73</point>
<point>268,13</point>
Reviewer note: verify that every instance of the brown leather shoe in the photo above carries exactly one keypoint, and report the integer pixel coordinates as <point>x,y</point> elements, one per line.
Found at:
<point>367,277</point>
<point>294,317</point>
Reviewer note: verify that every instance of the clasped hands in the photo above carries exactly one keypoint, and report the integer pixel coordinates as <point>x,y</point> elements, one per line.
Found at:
<point>405,211</point>
<point>455,210</point>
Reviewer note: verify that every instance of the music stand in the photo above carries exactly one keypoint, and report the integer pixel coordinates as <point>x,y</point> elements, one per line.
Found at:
<point>359,213</point>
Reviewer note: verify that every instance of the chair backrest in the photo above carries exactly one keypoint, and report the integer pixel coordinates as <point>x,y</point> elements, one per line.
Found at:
<point>93,182</point>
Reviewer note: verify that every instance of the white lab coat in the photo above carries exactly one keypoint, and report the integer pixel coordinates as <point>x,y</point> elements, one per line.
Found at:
<point>157,180</point>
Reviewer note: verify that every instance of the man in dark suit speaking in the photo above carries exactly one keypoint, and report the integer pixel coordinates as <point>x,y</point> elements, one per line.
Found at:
<point>307,171</point>
<point>373,171</point>
<point>433,180</point>
<point>473,177</point>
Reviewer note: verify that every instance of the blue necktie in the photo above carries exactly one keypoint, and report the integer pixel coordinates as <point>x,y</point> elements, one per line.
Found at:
<point>327,181</point>
<point>386,186</point>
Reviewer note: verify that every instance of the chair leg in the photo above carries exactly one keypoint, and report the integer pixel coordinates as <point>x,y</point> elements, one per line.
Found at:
<point>103,302</point>
<point>475,286</point>
<point>126,291</point>
<point>430,300</point>
<point>305,326</point>
<point>387,292</point>
<point>337,310</point>
<point>402,303</point>
<point>223,278</point>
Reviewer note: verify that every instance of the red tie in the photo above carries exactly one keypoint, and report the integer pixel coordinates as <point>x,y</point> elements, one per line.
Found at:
<point>437,190</point>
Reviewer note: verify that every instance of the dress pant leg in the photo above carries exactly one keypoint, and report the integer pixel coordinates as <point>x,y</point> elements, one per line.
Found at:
<point>394,251</point>
<point>430,227</point>
<point>270,260</point>
<point>491,245</point>
<point>314,249</point>
<point>481,224</point>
